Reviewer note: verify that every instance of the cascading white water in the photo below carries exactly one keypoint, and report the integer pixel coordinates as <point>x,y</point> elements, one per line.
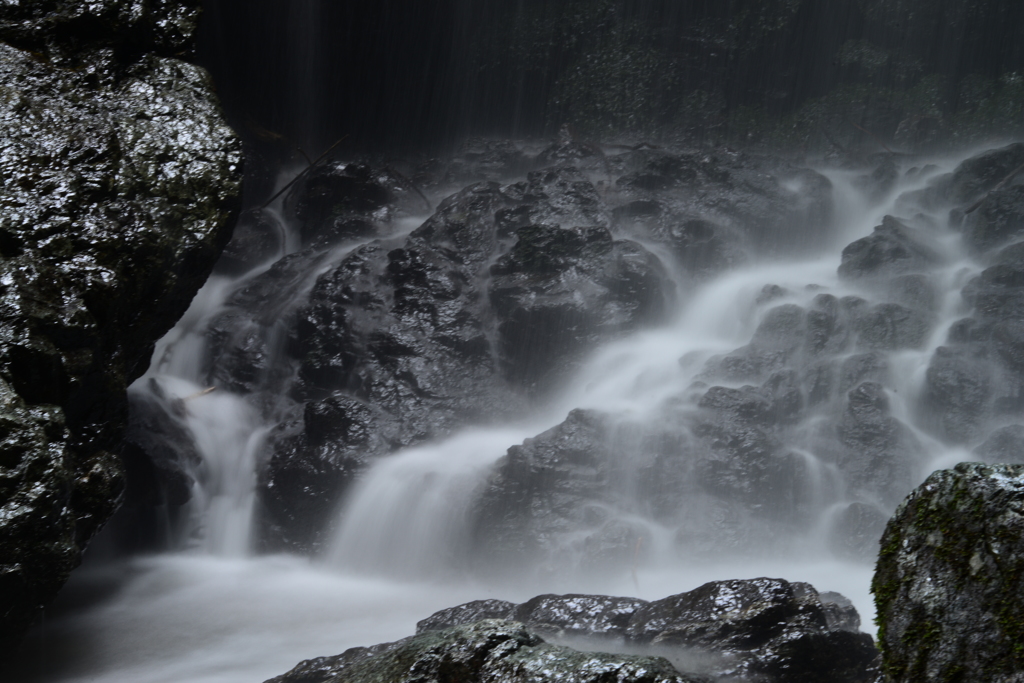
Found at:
<point>226,429</point>
<point>213,612</point>
<point>406,516</point>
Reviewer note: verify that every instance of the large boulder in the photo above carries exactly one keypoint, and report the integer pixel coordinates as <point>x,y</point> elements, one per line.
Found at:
<point>713,207</point>
<point>975,381</point>
<point>998,220</point>
<point>879,454</point>
<point>558,291</point>
<point>764,630</point>
<point>894,248</point>
<point>489,650</point>
<point>547,489</point>
<point>948,582</point>
<point>314,457</point>
<point>117,179</point>
<point>970,181</point>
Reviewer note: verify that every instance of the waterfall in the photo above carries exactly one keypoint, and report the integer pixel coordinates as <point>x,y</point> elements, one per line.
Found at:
<point>213,608</point>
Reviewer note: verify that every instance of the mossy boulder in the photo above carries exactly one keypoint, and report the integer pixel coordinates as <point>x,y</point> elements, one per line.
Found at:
<point>949,585</point>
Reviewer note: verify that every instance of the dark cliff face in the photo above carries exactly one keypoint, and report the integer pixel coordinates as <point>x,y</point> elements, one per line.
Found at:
<point>118,177</point>
<point>408,74</point>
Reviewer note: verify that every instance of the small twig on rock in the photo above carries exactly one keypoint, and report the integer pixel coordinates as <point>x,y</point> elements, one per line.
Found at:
<point>304,172</point>
<point>204,392</point>
<point>1002,183</point>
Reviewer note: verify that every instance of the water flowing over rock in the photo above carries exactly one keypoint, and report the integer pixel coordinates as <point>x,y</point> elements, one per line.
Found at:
<point>454,324</point>
<point>947,584</point>
<point>117,179</point>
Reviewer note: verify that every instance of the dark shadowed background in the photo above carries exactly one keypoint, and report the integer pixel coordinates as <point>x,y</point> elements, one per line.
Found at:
<point>398,75</point>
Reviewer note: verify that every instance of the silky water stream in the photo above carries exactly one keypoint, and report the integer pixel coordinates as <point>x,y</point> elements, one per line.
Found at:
<point>212,610</point>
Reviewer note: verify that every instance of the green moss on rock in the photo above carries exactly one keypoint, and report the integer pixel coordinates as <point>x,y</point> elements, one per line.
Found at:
<point>948,582</point>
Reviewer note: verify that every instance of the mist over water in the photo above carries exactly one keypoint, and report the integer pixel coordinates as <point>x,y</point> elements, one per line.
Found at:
<point>212,609</point>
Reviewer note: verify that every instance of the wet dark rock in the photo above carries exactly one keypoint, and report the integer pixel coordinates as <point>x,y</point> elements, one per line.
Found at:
<point>558,498</point>
<point>999,220</point>
<point>889,327</point>
<point>313,460</point>
<point>763,629</point>
<point>568,152</point>
<point>403,328</point>
<point>69,29</point>
<point>872,366</point>
<point>783,328</point>
<point>760,629</point>
<point>880,453</point>
<point>337,202</point>
<point>776,341</point>
<point>548,485</point>
<point>737,429</point>
<point>166,441</point>
<point>659,170</point>
<point>247,336</point>
<point>787,335</point>
<point>894,248</point>
<point>561,616</point>
<point>160,459</point>
<point>979,174</point>
<point>880,181</point>
<point>118,179</point>
<point>490,650</point>
<point>703,247</point>
<point>467,613</point>
<point>557,291</point>
<point>994,336</point>
<point>918,133</point>
<point>325,669</point>
<point>827,331</point>
<point>560,196</point>
<point>998,293</point>
<point>766,201</point>
<point>443,328</point>
<point>971,180</point>
<point>947,585</point>
<point>839,612</point>
<point>914,291</point>
<point>556,616</point>
<point>958,392</point>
